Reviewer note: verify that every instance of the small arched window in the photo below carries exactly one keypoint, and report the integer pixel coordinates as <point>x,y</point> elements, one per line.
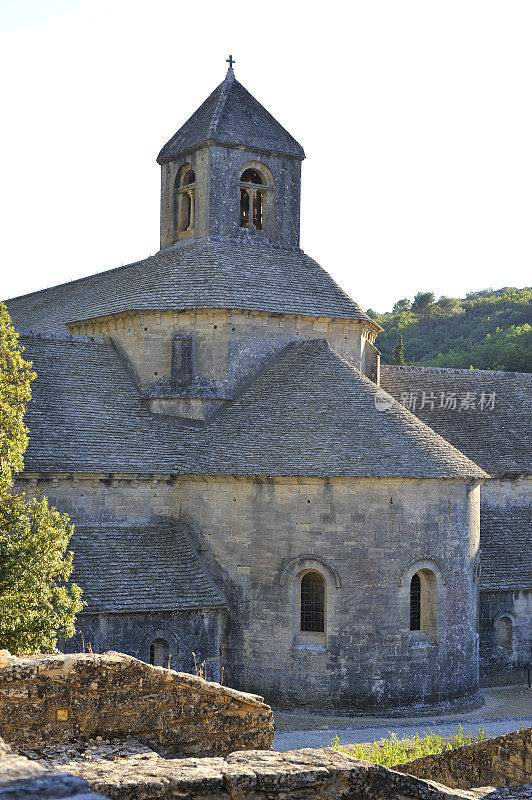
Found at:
<point>424,605</point>
<point>415,603</point>
<point>252,199</point>
<point>312,603</point>
<point>160,653</point>
<point>184,201</point>
<point>505,633</point>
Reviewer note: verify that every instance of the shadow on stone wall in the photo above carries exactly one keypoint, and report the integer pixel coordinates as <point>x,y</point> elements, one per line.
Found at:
<point>501,761</point>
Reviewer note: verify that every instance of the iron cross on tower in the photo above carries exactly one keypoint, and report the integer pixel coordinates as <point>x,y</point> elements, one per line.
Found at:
<point>230,61</point>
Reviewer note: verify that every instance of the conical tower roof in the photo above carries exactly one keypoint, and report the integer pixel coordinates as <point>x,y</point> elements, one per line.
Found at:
<point>231,116</point>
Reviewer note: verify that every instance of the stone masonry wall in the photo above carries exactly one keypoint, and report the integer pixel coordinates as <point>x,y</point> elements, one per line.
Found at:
<point>228,346</point>
<point>501,761</point>
<point>502,666</point>
<point>505,665</point>
<point>217,195</point>
<point>365,537</point>
<point>507,491</point>
<point>281,224</point>
<point>55,698</point>
<point>198,632</point>
<point>257,535</point>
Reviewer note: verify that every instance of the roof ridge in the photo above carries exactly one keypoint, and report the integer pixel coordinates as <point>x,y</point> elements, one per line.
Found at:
<point>226,85</point>
<point>194,114</point>
<point>488,508</point>
<point>60,337</point>
<point>444,370</point>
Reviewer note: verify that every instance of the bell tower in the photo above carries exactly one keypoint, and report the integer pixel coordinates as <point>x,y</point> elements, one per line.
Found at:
<point>231,171</point>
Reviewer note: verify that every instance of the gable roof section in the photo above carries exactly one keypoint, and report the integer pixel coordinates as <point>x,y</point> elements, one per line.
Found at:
<point>506,544</point>
<point>499,439</point>
<point>309,413</point>
<point>231,116</point>
<point>143,568</point>
<point>203,274</point>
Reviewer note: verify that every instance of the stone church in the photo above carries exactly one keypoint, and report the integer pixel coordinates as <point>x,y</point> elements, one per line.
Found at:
<point>247,483</point>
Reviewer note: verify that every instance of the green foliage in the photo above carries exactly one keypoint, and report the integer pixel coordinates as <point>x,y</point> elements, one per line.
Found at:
<point>486,330</point>
<point>448,306</point>
<point>398,355</point>
<point>36,605</point>
<point>392,751</point>
<point>15,378</point>
<point>401,305</point>
<point>423,302</point>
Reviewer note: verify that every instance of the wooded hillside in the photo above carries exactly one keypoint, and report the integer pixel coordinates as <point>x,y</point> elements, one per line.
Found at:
<point>485,330</point>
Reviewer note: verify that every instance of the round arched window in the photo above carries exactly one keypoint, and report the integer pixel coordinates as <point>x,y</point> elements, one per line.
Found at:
<point>424,604</point>
<point>160,653</point>
<point>312,603</point>
<point>505,632</point>
<point>184,201</point>
<point>253,199</point>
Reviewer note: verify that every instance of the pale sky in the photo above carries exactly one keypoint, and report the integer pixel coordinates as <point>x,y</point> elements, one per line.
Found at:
<point>415,115</point>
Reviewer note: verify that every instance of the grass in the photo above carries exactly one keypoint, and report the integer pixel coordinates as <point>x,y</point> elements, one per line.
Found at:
<point>389,752</point>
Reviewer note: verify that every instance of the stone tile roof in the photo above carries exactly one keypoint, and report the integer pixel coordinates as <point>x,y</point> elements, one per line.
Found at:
<point>143,568</point>
<point>313,413</point>
<point>506,544</point>
<point>499,439</point>
<point>231,115</point>
<point>201,274</point>
<point>308,413</point>
<point>86,415</point>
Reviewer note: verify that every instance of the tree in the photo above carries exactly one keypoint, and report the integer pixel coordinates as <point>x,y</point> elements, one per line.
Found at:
<point>36,604</point>
<point>448,305</point>
<point>398,356</point>
<point>15,393</point>
<point>422,303</point>
<point>401,305</point>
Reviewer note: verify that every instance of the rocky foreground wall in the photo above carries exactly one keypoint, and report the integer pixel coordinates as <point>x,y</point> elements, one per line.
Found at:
<point>265,775</point>
<point>22,779</point>
<point>501,761</point>
<point>56,698</point>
